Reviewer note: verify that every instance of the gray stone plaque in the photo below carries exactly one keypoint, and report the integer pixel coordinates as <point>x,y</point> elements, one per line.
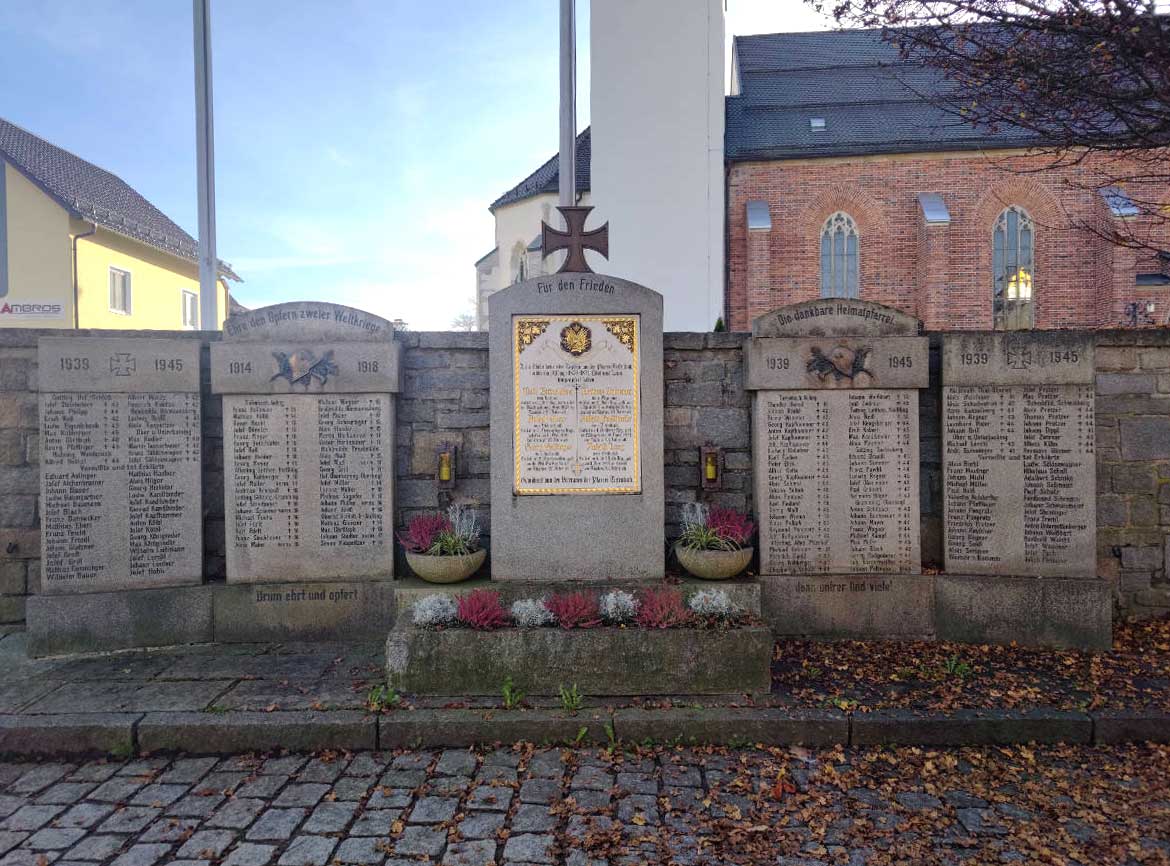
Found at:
<point>837,491</point>
<point>836,316</point>
<point>835,438</point>
<point>787,363</point>
<point>1019,458</point>
<point>307,321</point>
<point>1022,358</point>
<point>604,379</point>
<point>308,444</point>
<point>121,503</point>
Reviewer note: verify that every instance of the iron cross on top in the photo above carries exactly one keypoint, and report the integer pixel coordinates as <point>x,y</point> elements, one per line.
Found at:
<point>576,240</point>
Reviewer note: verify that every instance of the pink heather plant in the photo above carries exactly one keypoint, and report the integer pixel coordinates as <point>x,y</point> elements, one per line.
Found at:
<point>422,532</point>
<point>574,609</point>
<point>663,608</point>
<point>732,525</point>
<point>482,610</point>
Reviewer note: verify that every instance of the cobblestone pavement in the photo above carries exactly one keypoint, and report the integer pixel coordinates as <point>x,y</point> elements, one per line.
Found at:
<point>790,807</point>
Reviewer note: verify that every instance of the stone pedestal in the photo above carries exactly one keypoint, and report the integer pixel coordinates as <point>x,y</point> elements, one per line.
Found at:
<point>1020,487</point>
<point>121,503</point>
<point>1019,462</point>
<point>835,441</point>
<point>308,444</point>
<point>576,438</point>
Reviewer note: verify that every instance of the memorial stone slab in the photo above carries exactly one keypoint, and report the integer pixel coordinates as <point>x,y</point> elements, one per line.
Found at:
<point>1019,462</point>
<point>576,437</point>
<point>308,443</point>
<point>835,429</point>
<point>121,503</point>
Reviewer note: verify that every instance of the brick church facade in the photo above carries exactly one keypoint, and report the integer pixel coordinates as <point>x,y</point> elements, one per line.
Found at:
<point>845,179</point>
<point>924,226</point>
<point>842,180</point>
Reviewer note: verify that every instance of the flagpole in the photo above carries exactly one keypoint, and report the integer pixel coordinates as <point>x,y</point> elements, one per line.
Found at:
<point>568,156</point>
<point>205,170</point>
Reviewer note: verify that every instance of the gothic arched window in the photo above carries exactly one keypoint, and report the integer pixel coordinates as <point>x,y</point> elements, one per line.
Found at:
<point>519,264</point>
<point>839,260</point>
<point>1013,270</point>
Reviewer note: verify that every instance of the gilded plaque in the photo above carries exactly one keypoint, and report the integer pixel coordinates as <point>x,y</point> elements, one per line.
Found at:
<point>577,404</point>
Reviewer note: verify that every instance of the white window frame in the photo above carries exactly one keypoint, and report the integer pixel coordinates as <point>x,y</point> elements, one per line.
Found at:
<point>190,301</point>
<point>840,267</point>
<point>127,295</point>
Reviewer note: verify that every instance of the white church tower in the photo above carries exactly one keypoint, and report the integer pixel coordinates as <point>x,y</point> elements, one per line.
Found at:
<point>657,111</point>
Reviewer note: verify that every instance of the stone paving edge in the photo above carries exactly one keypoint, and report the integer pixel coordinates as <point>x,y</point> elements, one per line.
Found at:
<point>462,727</point>
<point>237,732</point>
<point>73,734</point>
<point>970,727</point>
<point>1111,727</point>
<point>125,734</point>
<point>733,726</point>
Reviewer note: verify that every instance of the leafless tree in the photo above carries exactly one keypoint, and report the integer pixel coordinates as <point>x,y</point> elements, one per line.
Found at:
<point>464,322</point>
<point>1087,80</point>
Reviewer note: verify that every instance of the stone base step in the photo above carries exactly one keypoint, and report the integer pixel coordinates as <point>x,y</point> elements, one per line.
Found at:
<point>744,591</point>
<point>1061,612</point>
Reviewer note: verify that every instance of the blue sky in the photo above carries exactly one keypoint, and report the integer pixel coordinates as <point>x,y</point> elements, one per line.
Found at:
<point>358,142</point>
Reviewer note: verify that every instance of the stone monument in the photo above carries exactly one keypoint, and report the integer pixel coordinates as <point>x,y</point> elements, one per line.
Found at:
<point>576,438</point>
<point>1020,486</point>
<point>308,416</point>
<point>121,504</point>
<point>835,445</point>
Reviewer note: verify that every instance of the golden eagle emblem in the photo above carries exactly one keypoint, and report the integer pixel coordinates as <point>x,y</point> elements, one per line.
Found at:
<point>576,339</point>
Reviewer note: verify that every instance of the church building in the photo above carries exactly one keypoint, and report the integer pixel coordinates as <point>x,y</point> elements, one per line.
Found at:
<point>827,172</point>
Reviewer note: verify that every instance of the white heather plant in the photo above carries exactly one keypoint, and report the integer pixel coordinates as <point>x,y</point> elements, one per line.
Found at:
<point>619,607</point>
<point>532,613</point>
<point>435,610</point>
<point>711,602</point>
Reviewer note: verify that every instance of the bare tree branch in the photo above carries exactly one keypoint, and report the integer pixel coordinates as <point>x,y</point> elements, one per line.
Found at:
<point>1086,83</point>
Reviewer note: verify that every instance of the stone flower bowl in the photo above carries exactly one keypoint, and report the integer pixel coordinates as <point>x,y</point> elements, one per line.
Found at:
<point>714,564</point>
<point>445,569</point>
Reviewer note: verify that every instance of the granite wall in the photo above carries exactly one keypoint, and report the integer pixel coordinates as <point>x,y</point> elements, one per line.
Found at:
<point>445,400</point>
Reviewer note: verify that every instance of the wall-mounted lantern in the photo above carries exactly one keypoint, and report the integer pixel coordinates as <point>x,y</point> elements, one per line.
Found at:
<point>711,467</point>
<point>446,458</point>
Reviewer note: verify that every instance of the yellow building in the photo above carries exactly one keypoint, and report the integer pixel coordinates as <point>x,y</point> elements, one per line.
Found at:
<point>79,248</point>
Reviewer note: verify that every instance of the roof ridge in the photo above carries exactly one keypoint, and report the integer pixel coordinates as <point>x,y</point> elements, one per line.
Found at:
<point>65,150</point>
<point>763,106</point>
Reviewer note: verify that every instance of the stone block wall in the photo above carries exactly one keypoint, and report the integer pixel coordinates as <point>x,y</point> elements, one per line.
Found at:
<point>444,399</point>
<point>1133,467</point>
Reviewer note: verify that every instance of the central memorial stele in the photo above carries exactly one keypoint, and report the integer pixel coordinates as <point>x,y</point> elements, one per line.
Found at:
<point>576,376</point>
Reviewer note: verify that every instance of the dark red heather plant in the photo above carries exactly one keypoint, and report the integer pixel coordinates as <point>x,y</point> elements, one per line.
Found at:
<point>731,525</point>
<point>482,610</point>
<point>422,531</point>
<point>663,608</point>
<point>574,609</point>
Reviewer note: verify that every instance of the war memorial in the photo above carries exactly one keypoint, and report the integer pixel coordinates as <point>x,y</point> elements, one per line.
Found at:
<point>246,490</point>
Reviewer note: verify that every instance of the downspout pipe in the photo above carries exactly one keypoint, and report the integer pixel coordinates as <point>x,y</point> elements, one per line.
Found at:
<point>76,287</point>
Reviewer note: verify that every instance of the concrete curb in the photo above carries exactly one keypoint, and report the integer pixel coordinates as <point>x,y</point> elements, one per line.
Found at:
<point>80,734</point>
<point>232,733</point>
<point>1127,726</point>
<point>969,727</point>
<point>461,728</point>
<point>126,734</point>
<point>733,726</point>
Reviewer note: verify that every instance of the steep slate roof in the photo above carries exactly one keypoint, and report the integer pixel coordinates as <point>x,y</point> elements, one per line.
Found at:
<point>95,194</point>
<point>871,100</point>
<point>547,178</point>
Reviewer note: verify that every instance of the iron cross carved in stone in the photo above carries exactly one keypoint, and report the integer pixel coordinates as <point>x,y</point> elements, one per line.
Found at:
<point>576,240</point>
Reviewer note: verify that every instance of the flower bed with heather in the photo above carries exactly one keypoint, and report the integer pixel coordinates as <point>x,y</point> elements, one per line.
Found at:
<point>653,642</point>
